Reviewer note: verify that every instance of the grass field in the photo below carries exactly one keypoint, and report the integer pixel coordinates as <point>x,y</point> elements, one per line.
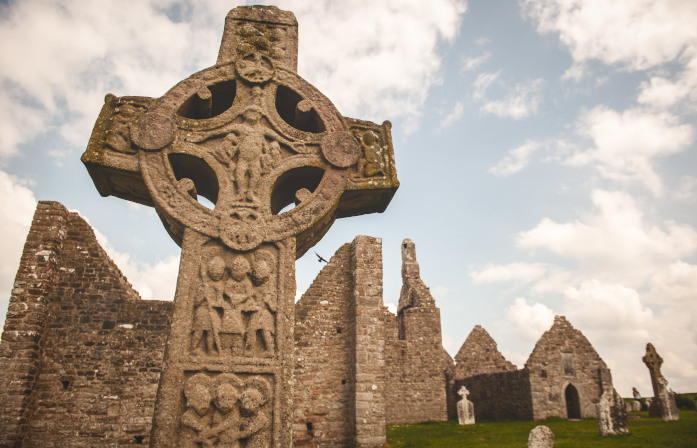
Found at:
<point>643,433</point>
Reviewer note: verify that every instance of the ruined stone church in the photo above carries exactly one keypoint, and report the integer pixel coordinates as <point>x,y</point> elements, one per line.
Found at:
<point>563,377</point>
<point>81,352</point>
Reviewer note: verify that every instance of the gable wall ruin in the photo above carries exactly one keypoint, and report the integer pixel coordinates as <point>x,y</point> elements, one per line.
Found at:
<point>562,357</point>
<point>81,352</point>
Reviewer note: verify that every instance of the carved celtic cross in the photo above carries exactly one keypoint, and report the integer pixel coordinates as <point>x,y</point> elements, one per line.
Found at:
<point>653,362</point>
<point>253,138</point>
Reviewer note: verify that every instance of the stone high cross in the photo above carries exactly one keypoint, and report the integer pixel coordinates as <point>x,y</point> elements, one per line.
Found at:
<point>252,137</point>
<point>663,405</point>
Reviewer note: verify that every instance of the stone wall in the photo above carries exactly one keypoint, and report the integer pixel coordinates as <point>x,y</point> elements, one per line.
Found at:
<point>563,357</point>
<point>415,358</point>
<point>478,354</point>
<point>500,395</point>
<point>339,352</point>
<point>81,352</point>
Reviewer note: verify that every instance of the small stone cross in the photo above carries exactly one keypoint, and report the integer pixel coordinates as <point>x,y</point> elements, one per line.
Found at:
<point>463,392</point>
<point>254,139</point>
<point>653,361</point>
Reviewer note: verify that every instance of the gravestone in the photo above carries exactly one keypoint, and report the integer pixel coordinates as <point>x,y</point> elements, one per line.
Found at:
<point>541,437</point>
<point>611,408</point>
<point>253,138</point>
<point>465,408</point>
<point>636,406</point>
<point>663,404</point>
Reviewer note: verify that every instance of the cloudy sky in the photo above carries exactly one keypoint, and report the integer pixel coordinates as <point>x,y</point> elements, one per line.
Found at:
<point>546,150</point>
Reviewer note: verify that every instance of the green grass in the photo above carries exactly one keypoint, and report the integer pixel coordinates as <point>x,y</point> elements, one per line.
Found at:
<point>643,433</point>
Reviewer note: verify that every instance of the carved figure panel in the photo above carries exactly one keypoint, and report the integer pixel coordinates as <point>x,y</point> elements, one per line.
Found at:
<point>235,304</point>
<point>226,410</point>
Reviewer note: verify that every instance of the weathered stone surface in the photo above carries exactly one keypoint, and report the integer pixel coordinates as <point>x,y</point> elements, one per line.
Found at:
<point>415,359</point>
<point>252,137</point>
<point>465,408</point>
<point>663,404</point>
<point>561,378</point>
<point>478,354</point>
<point>339,352</point>
<point>612,412</point>
<point>565,373</point>
<point>501,395</point>
<point>541,437</point>
<point>353,372</point>
<point>636,406</point>
<point>89,375</point>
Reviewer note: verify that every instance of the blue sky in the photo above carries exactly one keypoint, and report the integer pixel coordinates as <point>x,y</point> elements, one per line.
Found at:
<point>545,148</point>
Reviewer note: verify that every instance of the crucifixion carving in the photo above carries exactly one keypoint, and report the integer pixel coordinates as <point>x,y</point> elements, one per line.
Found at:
<point>253,138</point>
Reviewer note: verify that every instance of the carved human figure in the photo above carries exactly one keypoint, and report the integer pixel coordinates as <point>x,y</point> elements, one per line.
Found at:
<point>226,419</point>
<point>119,138</point>
<point>248,141</point>
<point>256,422</point>
<point>238,289</point>
<point>271,157</point>
<point>264,303</point>
<point>210,296</point>
<point>370,164</point>
<point>195,422</point>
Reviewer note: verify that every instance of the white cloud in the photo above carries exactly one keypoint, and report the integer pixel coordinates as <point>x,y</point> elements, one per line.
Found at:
<point>517,159</point>
<point>152,281</point>
<point>449,344</point>
<point>608,313</point>
<point>391,307</point>
<point>17,205</point>
<point>298,295</point>
<point>626,143</point>
<point>675,283</point>
<point>483,81</point>
<point>687,189</point>
<point>375,59</point>
<point>440,291</point>
<point>520,103</point>
<point>635,34</point>
<point>516,358</point>
<point>59,60</point>
<point>615,240</point>
<point>469,64</point>
<point>519,272</point>
<point>530,320</point>
<point>452,116</point>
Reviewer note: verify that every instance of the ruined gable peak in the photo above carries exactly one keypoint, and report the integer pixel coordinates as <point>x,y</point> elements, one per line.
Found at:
<point>479,354</point>
<point>410,267</point>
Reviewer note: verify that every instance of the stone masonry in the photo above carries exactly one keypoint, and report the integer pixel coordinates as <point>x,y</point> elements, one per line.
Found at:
<point>563,377</point>
<point>81,353</point>
<point>399,366</point>
<point>416,361</point>
<point>563,361</point>
<point>478,354</point>
<point>340,352</point>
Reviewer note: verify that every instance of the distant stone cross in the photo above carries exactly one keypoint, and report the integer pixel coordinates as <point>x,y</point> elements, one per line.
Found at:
<point>663,405</point>
<point>253,138</point>
<point>653,361</point>
<point>465,408</point>
<point>463,392</point>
